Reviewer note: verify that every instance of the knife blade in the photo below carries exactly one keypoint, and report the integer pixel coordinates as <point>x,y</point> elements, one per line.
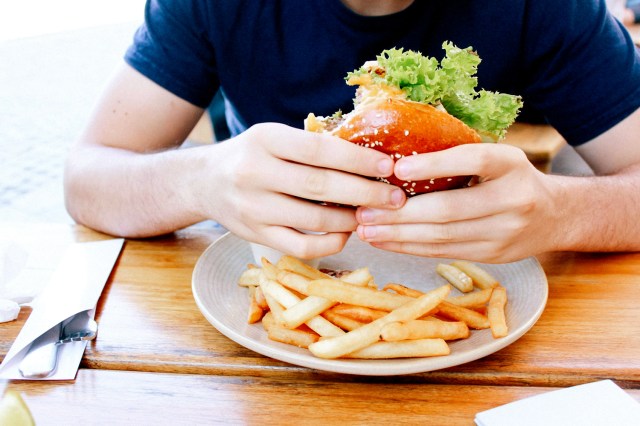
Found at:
<point>41,359</point>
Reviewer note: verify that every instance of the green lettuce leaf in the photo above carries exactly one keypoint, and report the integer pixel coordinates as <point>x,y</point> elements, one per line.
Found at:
<point>451,83</point>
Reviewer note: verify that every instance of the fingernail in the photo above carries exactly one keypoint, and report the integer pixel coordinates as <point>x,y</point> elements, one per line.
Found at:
<point>369,232</point>
<point>402,169</point>
<point>397,197</point>
<point>366,216</point>
<point>385,167</point>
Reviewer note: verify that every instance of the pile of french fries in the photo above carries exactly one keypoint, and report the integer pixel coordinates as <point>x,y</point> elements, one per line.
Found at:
<point>350,317</point>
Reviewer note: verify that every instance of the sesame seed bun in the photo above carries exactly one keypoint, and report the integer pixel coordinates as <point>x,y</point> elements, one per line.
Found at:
<point>400,127</point>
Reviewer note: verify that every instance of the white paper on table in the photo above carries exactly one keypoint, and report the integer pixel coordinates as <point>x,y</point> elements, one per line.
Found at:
<point>597,403</point>
<point>75,286</point>
<point>26,267</point>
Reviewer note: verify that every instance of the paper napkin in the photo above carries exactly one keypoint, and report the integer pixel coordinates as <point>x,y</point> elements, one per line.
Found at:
<point>594,404</point>
<point>75,286</point>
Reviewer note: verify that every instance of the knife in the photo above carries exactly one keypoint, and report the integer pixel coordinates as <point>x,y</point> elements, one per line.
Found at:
<point>42,357</point>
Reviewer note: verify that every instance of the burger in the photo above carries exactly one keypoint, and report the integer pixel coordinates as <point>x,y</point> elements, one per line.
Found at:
<point>409,104</point>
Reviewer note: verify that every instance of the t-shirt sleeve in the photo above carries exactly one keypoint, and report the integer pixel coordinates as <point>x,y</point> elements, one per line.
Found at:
<point>582,68</point>
<point>173,49</point>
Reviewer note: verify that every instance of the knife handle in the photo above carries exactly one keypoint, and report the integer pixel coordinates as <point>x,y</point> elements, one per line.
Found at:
<point>42,357</point>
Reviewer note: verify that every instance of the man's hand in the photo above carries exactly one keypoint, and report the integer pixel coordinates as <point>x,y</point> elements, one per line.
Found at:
<point>272,180</point>
<point>510,214</point>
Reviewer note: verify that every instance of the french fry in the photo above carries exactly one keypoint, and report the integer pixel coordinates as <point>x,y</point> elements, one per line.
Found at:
<point>268,321</point>
<point>305,310</point>
<point>361,277</point>
<point>341,321</point>
<point>495,312</point>
<point>294,281</point>
<point>358,313</point>
<point>403,290</point>
<point>405,349</point>
<point>274,289</point>
<point>268,269</point>
<point>472,300</point>
<point>409,292</point>
<point>424,329</point>
<point>482,310</point>
<point>299,338</point>
<point>249,277</point>
<point>287,299</point>
<point>472,318</point>
<point>278,333</point>
<point>363,296</point>
<point>455,277</point>
<point>255,313</point>
<point>290,263</point>
<point>370,333</point>
<point>481,278</point>
<point>275,309</point>
<point>260,300</point>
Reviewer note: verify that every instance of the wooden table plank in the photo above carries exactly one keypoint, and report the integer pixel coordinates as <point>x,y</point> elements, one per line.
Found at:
<point>148,398</point>
<point>149,322</point>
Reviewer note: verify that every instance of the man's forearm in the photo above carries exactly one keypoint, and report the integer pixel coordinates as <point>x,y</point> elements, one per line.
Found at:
<point>133,195</point>
<point>599,213</point>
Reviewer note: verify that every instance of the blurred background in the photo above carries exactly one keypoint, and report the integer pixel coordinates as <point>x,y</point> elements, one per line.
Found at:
<point>55,58</point>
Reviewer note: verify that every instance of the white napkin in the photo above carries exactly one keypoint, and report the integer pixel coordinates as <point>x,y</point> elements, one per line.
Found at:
<point>75,286</point>
<point>26,267</point>
<point>594,404</point>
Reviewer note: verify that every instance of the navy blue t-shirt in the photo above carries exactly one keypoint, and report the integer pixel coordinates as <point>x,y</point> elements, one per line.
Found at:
<point>275,61</point>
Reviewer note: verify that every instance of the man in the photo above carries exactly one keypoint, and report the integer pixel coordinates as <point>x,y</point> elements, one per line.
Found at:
<point>574,66</point>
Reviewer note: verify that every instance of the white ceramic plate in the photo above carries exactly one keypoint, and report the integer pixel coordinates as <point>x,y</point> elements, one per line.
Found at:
<point>225,304</point>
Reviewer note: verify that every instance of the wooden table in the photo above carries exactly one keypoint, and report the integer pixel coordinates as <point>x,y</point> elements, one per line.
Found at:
<point>157,360</point>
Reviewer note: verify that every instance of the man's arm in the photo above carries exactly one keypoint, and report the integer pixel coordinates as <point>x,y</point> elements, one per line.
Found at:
<point>109,185</point>
<point>608,204</point>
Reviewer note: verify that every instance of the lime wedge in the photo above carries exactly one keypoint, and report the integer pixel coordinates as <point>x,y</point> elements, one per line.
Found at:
<point>14,411</point>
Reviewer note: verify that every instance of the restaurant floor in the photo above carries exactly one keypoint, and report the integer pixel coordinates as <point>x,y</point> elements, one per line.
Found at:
<point>48,84</point>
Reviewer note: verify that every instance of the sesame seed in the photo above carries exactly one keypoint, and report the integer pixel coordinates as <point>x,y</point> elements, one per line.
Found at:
<point>449,179</point>
<point>406,133</point>
<point>375,131</point>
<point>414,153</point>
<point>386,131</point>
<point>398,155</point>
